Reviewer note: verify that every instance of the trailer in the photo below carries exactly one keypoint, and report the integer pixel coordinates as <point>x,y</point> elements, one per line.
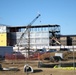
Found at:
<point>5,50</point>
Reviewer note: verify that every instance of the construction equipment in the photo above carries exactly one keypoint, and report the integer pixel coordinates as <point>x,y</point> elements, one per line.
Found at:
<point>54,38</point>
<point>27,29</point>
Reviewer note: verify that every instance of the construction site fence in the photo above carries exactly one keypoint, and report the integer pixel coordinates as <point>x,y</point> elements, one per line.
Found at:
<point>20,57</point>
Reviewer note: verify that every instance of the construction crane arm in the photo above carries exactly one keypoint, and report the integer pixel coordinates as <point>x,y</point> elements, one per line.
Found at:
<point>33,21</point>
<point>27,27</point>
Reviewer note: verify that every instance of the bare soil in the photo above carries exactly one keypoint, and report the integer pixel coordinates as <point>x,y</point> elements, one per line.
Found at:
<point>34,64</point>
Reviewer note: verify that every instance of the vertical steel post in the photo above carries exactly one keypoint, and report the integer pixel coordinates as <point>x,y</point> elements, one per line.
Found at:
<point>73,60</point>
<point>28,42</point>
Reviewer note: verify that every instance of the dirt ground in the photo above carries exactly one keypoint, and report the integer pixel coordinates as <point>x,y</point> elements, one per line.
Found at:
<point>37,71</point>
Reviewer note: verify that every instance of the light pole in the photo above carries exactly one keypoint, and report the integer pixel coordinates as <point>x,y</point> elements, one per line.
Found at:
<point>73,61</point>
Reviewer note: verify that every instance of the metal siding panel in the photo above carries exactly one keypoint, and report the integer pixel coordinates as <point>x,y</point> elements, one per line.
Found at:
<point>3,39</point>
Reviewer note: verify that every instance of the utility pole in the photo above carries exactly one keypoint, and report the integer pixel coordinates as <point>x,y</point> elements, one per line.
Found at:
<point>29,42</point>
<point>73,61</point>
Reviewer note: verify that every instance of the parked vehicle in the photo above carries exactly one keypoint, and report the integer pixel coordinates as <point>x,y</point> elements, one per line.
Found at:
<point>64,49</point>
<point>51,50</point>
<point>40,51</point>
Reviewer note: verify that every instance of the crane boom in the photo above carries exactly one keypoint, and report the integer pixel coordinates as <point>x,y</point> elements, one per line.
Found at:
<point>34,20</point>
<point>27,27</point>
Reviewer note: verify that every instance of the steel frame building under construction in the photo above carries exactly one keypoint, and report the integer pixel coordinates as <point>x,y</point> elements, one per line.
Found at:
<point>40,35</point>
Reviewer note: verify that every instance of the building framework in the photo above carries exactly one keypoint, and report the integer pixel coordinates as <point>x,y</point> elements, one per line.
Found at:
<point>41,36</point>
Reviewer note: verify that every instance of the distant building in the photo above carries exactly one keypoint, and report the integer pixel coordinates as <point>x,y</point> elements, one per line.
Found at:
<point>40,36</point>
<point>3,35</point>
<point>68,40</point>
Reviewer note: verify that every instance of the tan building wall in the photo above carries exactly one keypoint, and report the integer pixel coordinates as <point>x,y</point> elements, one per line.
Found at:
<point>68,40</point>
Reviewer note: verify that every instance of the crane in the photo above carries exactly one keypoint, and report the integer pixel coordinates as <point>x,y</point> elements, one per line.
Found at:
<point>27,28</point>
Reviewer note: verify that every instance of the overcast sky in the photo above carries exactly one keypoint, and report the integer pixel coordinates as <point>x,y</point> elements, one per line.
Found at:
<point>22,12</point>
